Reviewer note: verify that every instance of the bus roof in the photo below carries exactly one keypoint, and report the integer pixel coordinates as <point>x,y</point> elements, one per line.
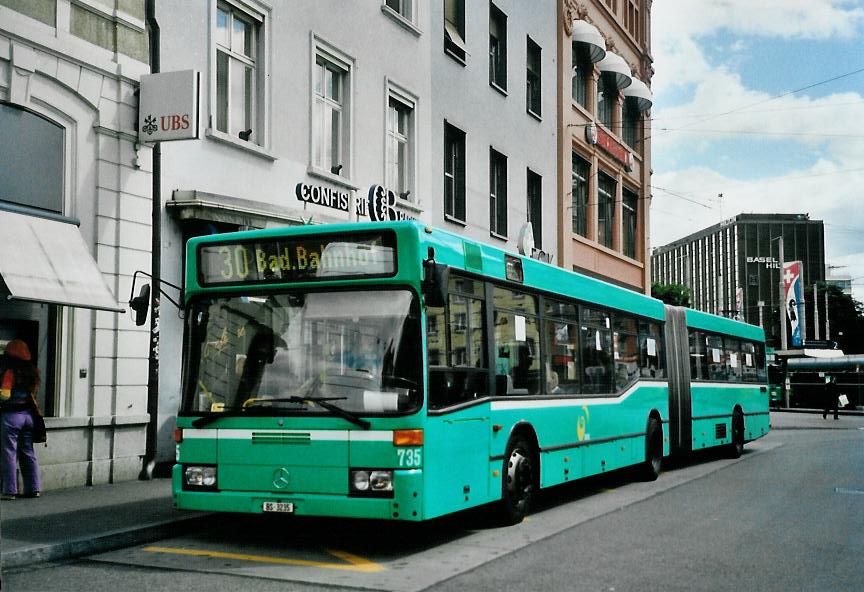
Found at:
<point>487,260</point>
<point>709,322</point>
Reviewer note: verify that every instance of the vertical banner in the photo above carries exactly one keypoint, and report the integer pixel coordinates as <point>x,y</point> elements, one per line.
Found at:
<point>739,304</point>
<point>792,283</point>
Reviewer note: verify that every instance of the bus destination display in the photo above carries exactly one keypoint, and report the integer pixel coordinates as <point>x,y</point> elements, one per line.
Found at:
<point>287,259</point>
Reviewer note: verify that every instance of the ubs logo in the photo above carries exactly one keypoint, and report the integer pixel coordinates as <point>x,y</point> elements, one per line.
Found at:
<point>280,478</point>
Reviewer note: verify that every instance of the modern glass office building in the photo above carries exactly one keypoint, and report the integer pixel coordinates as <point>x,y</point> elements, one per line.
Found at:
<point>733,268</point>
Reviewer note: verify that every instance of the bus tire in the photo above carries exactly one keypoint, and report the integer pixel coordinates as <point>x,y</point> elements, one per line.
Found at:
<point>736,448</point>
<point>653,450</point>
<point>519,480</point>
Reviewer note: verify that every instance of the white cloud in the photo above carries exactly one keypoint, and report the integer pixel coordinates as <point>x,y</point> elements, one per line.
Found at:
<point>712,103</point>
<point>801,19</point>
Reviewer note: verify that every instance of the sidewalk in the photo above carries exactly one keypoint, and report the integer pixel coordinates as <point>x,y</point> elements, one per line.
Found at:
<point>84,520</point>
<point>811,419</point>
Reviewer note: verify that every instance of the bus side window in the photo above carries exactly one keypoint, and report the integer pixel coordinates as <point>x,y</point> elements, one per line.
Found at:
<point>652,357</point>
<point>517,339</point>
<point>748,361</point>
<point>733,359</point>
<point>697,356</point>
<point>716,357</point>
<point>456,350</point>
<point>761,375</point>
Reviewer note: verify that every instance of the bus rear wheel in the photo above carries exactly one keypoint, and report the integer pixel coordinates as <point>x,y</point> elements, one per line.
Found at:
<point>736,448</point>
<point>653,450</point>
<point>519,480</point>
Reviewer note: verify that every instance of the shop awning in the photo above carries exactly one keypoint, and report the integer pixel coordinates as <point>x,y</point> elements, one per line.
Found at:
<point>44,260</point>
<point>639,92</point>
<point>615,65</point>
<point>584,32</point>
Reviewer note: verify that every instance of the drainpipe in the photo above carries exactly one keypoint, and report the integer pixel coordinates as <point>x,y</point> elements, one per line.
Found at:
<point>149,460</point>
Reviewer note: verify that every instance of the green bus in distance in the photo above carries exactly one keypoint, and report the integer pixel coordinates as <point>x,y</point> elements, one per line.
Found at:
<point>396,371</point>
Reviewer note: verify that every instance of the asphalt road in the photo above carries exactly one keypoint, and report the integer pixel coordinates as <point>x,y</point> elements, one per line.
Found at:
<point>788,515</point>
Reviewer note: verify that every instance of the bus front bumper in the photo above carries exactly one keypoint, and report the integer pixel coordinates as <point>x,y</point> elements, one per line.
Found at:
<point>406,504</point>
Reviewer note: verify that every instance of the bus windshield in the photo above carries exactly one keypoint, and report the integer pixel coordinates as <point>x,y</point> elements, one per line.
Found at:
<point>275,354</point>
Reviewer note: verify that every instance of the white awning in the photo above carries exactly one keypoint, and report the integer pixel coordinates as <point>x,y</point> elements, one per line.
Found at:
<point>584,32</point>
<point>615,65</point>
<point>48,261</point>
<point>640,92</point>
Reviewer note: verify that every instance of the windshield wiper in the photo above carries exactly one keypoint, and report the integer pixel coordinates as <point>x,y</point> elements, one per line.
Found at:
<point>323,402</point>
<point>227,412</point>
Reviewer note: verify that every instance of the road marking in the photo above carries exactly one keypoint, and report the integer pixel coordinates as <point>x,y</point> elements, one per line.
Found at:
<point>352,562</point>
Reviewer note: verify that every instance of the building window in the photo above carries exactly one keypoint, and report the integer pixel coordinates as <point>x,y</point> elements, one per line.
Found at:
<point>583,70</point>
<point>532,82</point>
<point>632,119</point>
<point>454,28</point>
<point>497,48</point>
<point>605,209</point>
<point>631,19</point>
<point>606,99</point>
<point>535,207</point>
<point>404,8</point>
<point>613,5</point>
<point>579,212</point>
<point>237,39</point>
<point>497,193</point>
<point>629,220</point>
<point>400,147</point>
<point>31,174</point>
<point>330,115</point>
<point>454,173</point>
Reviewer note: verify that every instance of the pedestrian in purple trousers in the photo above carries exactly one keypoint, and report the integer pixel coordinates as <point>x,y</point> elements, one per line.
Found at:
<point>19,381</point>
<point>16,436</point>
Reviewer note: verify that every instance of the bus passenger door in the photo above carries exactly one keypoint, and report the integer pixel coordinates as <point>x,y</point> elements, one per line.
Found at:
<point>678,364</point>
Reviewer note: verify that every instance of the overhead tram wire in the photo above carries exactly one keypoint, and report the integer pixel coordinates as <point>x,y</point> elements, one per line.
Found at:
<point>798,108</point>
<point>761,133</point>
<point>763,101</point>
<point>761,182</point>
<point>681,196</point>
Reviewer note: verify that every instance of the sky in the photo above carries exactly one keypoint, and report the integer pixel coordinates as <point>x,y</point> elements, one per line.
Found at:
<point>759,108</point>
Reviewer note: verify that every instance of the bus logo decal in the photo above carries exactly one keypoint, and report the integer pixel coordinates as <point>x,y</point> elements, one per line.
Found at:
<point>280,478</point>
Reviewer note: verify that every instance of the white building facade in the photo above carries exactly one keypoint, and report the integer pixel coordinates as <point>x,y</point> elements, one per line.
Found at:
<point>74,222</point>
<point>447,107</point>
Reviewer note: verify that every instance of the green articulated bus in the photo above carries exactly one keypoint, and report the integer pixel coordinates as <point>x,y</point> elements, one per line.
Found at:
<point>396,371</point>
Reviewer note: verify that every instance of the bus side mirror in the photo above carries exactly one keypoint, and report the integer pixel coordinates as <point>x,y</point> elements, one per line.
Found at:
<point>141,304</point>
<point>435,283</point>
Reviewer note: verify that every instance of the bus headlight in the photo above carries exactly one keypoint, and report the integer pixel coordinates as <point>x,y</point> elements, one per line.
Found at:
<point>371,482</point>
<point>199,477</point>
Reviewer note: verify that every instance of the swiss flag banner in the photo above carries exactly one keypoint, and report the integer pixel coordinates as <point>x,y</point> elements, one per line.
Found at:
<point>792,284</point>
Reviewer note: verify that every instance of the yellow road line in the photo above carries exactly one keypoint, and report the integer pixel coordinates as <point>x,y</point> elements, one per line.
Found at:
<point>353,562</point>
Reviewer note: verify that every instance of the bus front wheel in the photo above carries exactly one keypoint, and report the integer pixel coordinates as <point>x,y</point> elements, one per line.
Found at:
<point>519,480</point>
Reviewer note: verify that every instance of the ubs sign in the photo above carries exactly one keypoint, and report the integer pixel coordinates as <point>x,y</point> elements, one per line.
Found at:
<point>168,106</point>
